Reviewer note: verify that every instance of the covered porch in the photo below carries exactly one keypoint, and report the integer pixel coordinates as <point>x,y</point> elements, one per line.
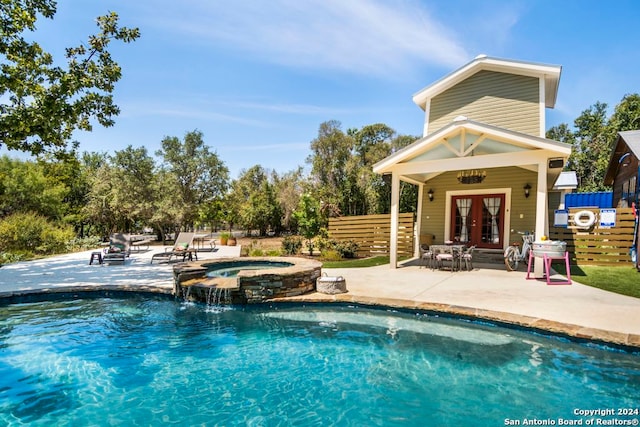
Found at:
<point>478,185</point>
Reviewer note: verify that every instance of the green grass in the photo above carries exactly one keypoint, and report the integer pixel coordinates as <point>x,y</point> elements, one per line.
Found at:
<point>356,263</point>
<point>621,280</point>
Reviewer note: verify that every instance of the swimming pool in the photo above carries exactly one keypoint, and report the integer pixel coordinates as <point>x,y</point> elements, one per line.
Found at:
<point>146,361</point>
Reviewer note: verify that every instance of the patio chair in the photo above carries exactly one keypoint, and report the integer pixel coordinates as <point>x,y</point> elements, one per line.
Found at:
<point>466,257</point>
<point>119,249</point>
<point>426,257</point>
<point>182,247</point>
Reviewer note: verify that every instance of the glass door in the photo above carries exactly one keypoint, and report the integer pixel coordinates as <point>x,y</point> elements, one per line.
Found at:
<point>478,220</point>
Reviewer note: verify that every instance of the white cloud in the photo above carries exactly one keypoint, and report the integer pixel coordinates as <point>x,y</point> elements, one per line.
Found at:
<point>356,36</point>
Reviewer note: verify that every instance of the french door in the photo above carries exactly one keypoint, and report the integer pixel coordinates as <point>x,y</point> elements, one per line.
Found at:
<point>478,219</point>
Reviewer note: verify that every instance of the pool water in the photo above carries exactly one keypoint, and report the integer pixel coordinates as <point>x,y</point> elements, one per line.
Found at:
<point>142,362</point>
<point>232,268</point>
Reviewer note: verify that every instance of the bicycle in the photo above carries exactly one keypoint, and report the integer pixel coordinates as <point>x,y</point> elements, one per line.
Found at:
<point>513,255</point>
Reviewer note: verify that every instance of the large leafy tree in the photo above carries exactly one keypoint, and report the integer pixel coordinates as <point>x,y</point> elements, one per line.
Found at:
<point>25,187</point>
<point>288,188</point>
<point>198,175</point>
<point>41,102</point>
<point>593,137</point>
<point>330,153</point>
<point>133,196</point>
<point>256,201</point>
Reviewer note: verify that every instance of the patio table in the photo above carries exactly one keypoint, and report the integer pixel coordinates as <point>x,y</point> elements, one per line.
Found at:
<point>454,250</point>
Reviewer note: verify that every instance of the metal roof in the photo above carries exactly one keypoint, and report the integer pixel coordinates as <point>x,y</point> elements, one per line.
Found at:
<point>632,138</point>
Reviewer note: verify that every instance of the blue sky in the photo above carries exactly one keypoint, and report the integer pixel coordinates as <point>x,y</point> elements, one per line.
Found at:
<point>258,77</point>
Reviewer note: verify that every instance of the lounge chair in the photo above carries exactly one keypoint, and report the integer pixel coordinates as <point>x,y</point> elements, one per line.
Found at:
<point>119,249</point>
<point>182,247</point>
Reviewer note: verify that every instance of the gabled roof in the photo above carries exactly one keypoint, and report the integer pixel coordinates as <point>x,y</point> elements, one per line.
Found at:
<point>627,142</point>
<point>550,73</point>
<point>467,144</point>
<point>516,138</point>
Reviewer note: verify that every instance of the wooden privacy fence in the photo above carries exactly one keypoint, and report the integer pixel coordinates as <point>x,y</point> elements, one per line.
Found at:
<point>372,233</point>
<point>598,245</point>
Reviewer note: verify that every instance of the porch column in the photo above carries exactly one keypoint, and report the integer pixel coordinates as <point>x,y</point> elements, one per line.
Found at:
<point>418,224</point>
<point>541,214</point>
<point>395,211</point>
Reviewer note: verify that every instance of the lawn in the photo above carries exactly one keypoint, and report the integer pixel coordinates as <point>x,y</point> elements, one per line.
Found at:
<point>358,262</point>
<point>621,280</point>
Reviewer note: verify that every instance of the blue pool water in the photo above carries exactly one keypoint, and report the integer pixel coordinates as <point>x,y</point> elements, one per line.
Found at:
<point>143,362</point>
<point>231,268</point>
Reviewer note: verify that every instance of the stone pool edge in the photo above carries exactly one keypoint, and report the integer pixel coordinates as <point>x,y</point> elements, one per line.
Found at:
<point>629,342</point>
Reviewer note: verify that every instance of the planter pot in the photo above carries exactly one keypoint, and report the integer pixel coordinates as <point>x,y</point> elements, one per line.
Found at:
<point>224,241</point>
<point>232,241</point>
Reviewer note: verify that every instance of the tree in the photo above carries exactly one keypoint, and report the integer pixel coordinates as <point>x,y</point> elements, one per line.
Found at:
<point>197,173</point>
<point>331,151</point>
<point>133,193</point>
<point>288,188</point>
<point>256,201</point>
<point>309,217</point>
<point>594,137</point>
<point>372,142</point>
<point>626,115</point>
<point>591,148</point>
<point>25,187</point>
<point>42,104</point>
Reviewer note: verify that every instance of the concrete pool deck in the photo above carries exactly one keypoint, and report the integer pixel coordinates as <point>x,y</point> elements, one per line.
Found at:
<point>488,292</point>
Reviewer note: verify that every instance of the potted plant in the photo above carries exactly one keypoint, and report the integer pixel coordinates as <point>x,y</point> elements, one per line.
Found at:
<point>232,240</point>
<point>224,239</point>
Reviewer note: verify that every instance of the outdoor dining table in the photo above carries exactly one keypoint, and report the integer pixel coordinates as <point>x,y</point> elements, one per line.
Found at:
<point>202,240</point>
<point>454,249</point>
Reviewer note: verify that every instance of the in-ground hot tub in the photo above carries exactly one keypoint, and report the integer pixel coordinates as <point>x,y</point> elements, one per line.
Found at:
<point>232,268</point>
<point>245,280</point>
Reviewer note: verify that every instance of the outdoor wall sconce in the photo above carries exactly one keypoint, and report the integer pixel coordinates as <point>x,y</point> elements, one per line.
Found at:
<point>527,190</point>
<point>430,195</point>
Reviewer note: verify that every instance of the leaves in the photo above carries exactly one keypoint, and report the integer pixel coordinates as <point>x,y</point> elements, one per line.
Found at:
<point>42,104</point>
<point>593,139</point>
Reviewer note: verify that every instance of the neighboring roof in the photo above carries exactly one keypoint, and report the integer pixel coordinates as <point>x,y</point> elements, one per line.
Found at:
<point>550,73</point>
<point>627,141</point>
<point>632,138</point>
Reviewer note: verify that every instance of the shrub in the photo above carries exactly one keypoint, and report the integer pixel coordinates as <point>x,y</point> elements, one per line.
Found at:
<point>9,257</point>
<point>345,248</point>
<point>291,245</point>
<point>29,233</point>
<point>256,252</point>
<point>83,243</point>
<point>331,255</point>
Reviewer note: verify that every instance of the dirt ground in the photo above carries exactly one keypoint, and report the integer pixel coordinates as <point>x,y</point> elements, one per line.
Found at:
<point>265,243</point>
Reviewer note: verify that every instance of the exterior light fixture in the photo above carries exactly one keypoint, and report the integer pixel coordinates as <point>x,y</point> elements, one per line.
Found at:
<point>527,190</point>
<point>430,195</point>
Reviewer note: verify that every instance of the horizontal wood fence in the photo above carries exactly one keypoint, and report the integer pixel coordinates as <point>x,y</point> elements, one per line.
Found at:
<point>598,245</point>
<point>372,233</point>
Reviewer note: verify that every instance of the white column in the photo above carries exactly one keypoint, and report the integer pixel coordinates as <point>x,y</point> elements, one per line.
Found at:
<point>395,211</point>
<point>541,213</point>
<point>418,224</point>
